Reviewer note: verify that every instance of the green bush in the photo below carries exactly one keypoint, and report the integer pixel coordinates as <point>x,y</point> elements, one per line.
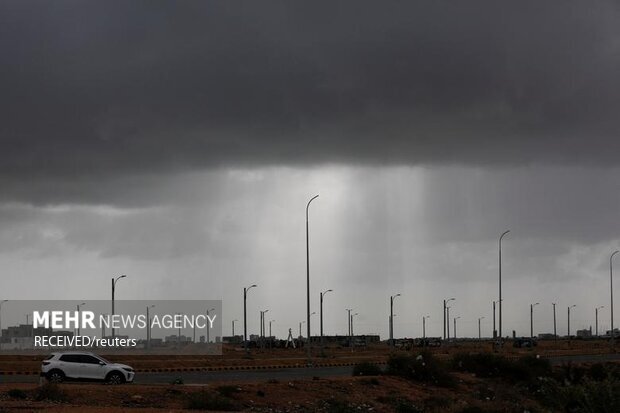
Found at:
<point>423,367</point>
<point>600,371</point>
<point>571,374</point>
<point>525,369</point>
<point>366,369</point>
<point>211,401</point>
<point>482,365</point>
<point>587,397</point>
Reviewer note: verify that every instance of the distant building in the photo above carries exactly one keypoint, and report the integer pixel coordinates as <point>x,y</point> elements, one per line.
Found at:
<point>585,333</point>
<point>616,332</point>
<point>22,336</point>
<point>232,339</point>
<point>173,339</point>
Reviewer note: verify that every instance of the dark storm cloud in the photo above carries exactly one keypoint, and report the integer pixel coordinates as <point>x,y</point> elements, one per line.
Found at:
<point>93,90</point>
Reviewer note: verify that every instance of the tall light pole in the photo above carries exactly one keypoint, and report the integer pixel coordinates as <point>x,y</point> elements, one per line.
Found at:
<point>446,320</point>
<point>555,330</point>
<point>233,327</point>
<point>424,325</point>
<point>500,284</point>
<point>392,297</point>
<point>348,310</point>
<point>103,326</point>
<point>179,335</point>
<point>148,326</point>
<point>494,329</point>
<point>245,315</point>
<point>78,314</point>
<point>311,314</point>
<point>479,329</point>
<point>611,291</point>
<point>270,321</point>
<point>262,323</point>
<point>322,295</point>
<point>448,323</point>
<point>114,281</point>
<point>1,302</point>
<point>208,326</point>
<point>569,307</point>
<point>596,318</point>
<point>532,319</point>
<point>455,318</point>
<point>308,274</point>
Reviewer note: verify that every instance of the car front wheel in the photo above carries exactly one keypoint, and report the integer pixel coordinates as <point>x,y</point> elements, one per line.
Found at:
<point>115,378</point>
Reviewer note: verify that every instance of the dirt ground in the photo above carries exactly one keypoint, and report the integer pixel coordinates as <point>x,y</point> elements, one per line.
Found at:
<point>379,394</point>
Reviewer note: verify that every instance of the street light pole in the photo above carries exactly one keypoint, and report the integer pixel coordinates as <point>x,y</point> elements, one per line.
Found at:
<point>322,295</point>
<point>532,319</point>
<point>455,318</point>
<point>494,328</point>
<point>262,323</point>
<point>500,284</point>
<point>392,297</point>
<point>114,281</point>
<point>308,274</point>
<point>479,329</point>
<point>448,323</point>
<point>555,331</point>
<point>78,314</point>
<point>596,318</point>
<point>424,325</point>
<point>270,321</point>
<point>611,291</point>
<point>245,315</point>
<point>569,307</point>
<point>348,310</point>
<point>148,327</point>
<point>446,319</point>
<point>208,325</point>
<point>1,302</point>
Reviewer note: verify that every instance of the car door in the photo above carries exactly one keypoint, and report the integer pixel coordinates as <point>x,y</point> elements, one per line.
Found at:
<point>91,367</point>
<point>70,365</point>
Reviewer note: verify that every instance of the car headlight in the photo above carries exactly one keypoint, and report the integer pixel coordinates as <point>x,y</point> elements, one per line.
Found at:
<point>129,369</point>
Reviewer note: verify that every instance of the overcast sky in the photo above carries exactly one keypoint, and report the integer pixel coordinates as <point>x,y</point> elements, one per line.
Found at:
<point>179,142</point>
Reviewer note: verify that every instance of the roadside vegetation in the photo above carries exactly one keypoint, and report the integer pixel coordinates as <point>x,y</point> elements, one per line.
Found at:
<point>568,388</point>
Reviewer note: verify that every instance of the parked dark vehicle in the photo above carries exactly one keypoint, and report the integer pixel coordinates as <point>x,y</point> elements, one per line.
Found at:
<point>524,342</point>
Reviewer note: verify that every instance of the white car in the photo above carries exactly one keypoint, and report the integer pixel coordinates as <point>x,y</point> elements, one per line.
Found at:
<point>84,366</point>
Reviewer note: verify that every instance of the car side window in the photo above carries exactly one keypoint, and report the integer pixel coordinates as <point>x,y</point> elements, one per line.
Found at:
<point>89,359</point>
<point>70,358</point>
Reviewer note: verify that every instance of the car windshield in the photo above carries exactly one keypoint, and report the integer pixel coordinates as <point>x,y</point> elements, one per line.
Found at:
<point>104,360</point>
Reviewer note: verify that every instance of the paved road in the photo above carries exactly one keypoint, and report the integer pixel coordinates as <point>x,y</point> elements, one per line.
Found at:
<point>280,374</point>
<point>595,358</point>
<point>219,376</point>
